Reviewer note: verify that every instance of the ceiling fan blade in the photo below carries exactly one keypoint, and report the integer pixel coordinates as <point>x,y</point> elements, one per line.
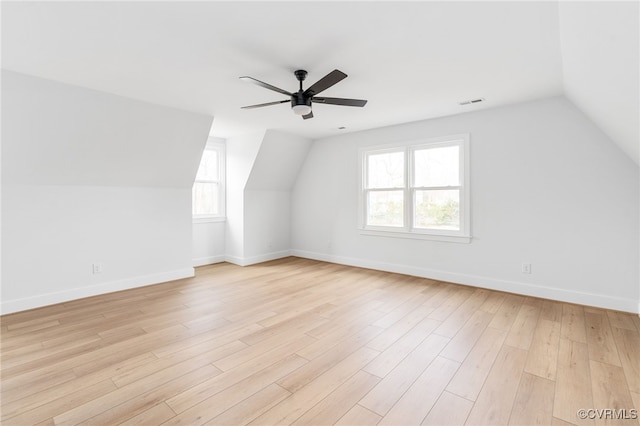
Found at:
<point>310,115</point>
<point>264,105</point>
<point>325,82</point>
<point>265,85</point>
<point>340,101</point>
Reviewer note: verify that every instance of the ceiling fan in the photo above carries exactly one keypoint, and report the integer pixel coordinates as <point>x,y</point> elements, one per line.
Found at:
<point>302,100</point>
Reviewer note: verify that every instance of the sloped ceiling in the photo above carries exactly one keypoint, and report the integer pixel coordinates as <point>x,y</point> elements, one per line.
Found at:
<point>411,60</point>
<point>278,162</point>
<point>600,45</point>
<point>57,134</point>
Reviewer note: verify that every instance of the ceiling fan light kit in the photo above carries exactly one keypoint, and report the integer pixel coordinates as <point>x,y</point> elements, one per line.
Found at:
<point>302,100</point>
<point>301,109</point>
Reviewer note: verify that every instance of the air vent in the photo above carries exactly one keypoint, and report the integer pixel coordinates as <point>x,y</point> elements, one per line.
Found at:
<point>472,101</point>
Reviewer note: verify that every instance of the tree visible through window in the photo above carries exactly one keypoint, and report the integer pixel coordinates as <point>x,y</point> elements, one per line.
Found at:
<point>385,188</point>
<point>417,188</point>
<point>436,185</point>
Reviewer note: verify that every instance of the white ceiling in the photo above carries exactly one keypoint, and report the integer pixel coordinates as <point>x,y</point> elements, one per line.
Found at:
<point>411,60</point>
<point>600,44</point>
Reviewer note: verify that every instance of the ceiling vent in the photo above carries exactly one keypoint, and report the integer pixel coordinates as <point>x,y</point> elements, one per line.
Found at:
<point>472,101</point>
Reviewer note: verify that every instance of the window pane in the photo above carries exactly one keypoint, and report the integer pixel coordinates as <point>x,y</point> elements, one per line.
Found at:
<point>386,170</point>
<point>437,166</point>
<point>205,198</point>
<point>438,209</point>
<point>385,208</point>
<point>208,169</point>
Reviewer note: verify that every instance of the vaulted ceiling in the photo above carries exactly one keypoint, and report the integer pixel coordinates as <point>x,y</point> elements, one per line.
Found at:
<point>411,60</point>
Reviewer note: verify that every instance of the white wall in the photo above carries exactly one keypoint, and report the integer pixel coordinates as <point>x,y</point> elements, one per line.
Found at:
<point>261,170</point>
<point>53,234</point>
<point>548,188</point>
<point>89,177</point>
<point>241,155</point>
<point>267,207</point>
<point>267,225</point>
<point>208,242</point>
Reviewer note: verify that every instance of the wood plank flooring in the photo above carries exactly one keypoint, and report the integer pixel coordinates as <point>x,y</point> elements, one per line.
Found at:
<point>297,341</point>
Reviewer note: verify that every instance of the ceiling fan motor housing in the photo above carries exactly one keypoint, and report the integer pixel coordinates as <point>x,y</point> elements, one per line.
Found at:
<point>299,98</point>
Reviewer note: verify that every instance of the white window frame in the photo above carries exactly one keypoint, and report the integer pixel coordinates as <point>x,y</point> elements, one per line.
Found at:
<point>221,216</point>
<point>408,230</point>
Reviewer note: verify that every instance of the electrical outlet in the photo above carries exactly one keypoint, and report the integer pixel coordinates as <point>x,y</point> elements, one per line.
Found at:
<point>97,268</point>
<point>526,268</point>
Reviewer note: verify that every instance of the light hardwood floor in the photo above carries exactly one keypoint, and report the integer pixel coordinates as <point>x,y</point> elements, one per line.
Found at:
<point>296,341</point>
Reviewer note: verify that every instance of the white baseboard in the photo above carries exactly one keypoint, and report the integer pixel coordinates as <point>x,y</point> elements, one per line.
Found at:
<point>589,299</point>
<point>209,260</point>
<point>554,293</point>
<point>10,306</point>
<point>246,261</point>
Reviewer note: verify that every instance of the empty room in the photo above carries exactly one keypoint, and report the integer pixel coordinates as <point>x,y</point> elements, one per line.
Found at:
<point>320,212</point>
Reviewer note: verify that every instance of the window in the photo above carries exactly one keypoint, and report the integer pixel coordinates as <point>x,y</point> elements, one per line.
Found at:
<point>208,189</point>
<point>417,190</point>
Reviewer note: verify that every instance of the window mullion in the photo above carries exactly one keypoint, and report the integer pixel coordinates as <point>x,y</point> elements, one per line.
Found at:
<point>437,188</point>
<point>385,189</point>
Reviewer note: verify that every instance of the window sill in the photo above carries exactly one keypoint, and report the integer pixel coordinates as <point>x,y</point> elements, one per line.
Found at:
<point>209,219</point>
<point>461,239</point>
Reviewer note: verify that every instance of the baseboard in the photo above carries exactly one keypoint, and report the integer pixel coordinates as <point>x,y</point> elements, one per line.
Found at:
<point>209,260</point>
<point>252,260</point>
<point>526,289</point>
<point>589,299</point>
<point>10,306</point>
